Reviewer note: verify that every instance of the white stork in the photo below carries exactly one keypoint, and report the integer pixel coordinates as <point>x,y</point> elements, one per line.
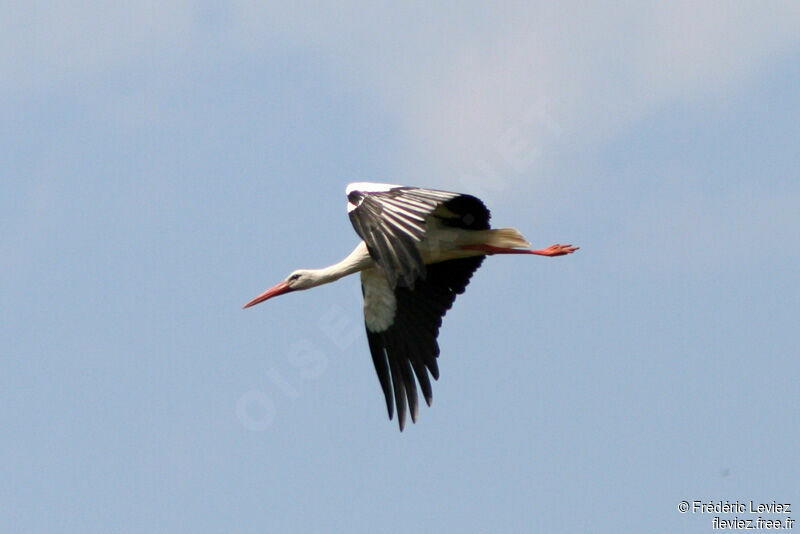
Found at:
<point>419,250</point>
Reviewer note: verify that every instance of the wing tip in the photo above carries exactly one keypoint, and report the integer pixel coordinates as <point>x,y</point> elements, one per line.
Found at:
<point>369,187</point>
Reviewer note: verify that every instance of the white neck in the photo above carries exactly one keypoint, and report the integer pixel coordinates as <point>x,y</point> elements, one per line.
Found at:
<point>356,261</point>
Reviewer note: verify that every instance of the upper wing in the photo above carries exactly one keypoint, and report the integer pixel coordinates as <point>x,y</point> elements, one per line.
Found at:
<point>391,219</point>
<point>402,326</point>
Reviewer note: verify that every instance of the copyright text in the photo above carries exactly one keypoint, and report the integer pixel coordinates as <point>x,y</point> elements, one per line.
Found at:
<point>777,514</point>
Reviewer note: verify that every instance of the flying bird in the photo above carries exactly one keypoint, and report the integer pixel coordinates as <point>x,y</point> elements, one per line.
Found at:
<point>419,250</point>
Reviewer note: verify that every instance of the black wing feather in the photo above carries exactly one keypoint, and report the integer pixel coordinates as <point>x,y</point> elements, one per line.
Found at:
<point>381,368</point>
<point>471,213</point>
<point>410,342</point>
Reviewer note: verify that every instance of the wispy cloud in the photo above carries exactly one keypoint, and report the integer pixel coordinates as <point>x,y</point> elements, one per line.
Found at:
<point>464,84</point>
<point>467,87</point>
<point>44,44</point>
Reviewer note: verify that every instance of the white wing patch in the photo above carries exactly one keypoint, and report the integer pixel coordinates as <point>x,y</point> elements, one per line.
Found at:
<point>380,304</point>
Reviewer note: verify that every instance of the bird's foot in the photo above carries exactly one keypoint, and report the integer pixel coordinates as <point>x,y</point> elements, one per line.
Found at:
<point>555,250</point>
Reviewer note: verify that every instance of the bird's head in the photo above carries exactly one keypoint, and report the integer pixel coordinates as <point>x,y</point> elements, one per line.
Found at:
<point>299,279</point>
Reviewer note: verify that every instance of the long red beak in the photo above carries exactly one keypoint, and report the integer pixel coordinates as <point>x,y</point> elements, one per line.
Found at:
<point>274,291</point>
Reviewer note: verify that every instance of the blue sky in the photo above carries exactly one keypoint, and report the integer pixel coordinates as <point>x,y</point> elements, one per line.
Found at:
<point>163,165</point>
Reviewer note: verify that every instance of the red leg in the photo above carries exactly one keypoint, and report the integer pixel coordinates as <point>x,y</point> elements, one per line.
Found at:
<point>552,250</point>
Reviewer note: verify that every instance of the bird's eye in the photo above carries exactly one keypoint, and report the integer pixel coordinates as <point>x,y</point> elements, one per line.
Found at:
<point>294,277</point>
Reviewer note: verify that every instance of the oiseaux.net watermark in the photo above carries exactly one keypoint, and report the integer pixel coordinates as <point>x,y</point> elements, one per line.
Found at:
<point>742,515</point>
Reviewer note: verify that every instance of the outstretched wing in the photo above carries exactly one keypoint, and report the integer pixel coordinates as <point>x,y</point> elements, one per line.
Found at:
<point>402,327</point>
<point>391,219</point>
